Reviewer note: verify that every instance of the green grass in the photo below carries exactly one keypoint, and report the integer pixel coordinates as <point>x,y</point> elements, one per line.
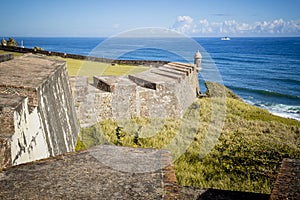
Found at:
<point>90,68</point>
<point>105,132</point>
<point>248,153</point>
<point>78,67</point>
<point>16,54</point>
<point>246,157</point>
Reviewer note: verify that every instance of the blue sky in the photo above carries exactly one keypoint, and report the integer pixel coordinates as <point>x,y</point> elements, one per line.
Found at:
<point>96,18</point>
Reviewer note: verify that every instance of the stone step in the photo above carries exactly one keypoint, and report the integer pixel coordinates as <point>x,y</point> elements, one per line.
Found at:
<point>176,68</point>
<point>189,67</point>
<point>184,64</point>
<point>174,71</point>
<point>169,74</point>
<point>150,80</point>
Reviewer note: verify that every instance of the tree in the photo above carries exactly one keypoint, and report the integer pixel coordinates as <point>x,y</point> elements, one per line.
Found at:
<point>37,48</point>
<point>11,42</point>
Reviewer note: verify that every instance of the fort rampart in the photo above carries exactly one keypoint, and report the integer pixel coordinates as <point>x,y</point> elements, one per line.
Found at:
<point>37,115</point>
<point>164,91</point>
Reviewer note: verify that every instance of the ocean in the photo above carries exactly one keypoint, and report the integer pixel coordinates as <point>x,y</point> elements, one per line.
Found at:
<point>264,72</point>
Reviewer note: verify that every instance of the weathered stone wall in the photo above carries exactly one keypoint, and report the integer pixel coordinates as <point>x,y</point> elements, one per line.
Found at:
<point>57,111</point>
<point>37,113</point>
<point>22,138</point>
<point>161,92</point>
<point>6,57</point>
<point>28,140</point>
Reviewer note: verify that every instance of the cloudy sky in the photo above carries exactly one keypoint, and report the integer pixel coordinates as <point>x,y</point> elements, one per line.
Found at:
<point>96,18</point>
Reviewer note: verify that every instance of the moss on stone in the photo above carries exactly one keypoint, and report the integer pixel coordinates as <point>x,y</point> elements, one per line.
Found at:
<point>79,145</point>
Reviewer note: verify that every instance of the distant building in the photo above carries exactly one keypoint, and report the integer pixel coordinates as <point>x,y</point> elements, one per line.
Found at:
<point>3,42</point>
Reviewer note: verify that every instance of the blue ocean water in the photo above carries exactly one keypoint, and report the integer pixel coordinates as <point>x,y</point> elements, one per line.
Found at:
<point>263,71</point>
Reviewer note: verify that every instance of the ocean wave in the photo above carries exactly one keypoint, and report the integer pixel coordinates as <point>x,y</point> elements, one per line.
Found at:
<point>282,110</point>
<point>264,92</point>
<point>285,80</point>
<point>239,60</point>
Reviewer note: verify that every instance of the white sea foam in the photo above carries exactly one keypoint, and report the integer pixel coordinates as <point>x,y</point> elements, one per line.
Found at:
<point>282,110</point>
<point>286,111</point>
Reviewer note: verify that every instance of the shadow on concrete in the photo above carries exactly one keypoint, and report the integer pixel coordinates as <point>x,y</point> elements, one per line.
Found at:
<point>214,194</point>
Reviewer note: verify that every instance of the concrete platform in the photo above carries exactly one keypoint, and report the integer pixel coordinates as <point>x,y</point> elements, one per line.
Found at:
<point>103,172</point>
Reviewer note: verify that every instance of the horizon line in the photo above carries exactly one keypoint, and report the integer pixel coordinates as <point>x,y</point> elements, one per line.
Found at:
<point>268,36</point>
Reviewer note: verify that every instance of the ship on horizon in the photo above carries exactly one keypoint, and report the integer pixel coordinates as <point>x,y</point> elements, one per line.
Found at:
<point>225,38</point>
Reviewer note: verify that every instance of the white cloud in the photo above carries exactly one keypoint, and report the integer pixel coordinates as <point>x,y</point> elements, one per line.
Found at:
<point>184,19</point>
<point>184,24</point>
<point>187,25</point>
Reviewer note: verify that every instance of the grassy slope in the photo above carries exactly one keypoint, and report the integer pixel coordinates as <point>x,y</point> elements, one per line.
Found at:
<point>246,157</point>
<point>248,154</point>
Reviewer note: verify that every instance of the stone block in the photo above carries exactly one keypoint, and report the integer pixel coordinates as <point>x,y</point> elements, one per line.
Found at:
<point>143,82</point>
<point>105,83</point>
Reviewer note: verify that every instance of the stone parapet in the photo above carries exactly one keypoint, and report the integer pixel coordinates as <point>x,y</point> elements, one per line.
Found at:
<point>164,91</point>
<point>37,114</point>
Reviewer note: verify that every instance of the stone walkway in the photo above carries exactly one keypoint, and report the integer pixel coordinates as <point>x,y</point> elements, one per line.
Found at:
<point>287,185</point>
<point>103,172</point>
<point>111,172</point>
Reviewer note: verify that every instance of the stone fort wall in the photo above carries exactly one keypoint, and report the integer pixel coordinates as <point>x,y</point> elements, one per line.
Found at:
<point>164,91</point>
<point>37,113</point>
